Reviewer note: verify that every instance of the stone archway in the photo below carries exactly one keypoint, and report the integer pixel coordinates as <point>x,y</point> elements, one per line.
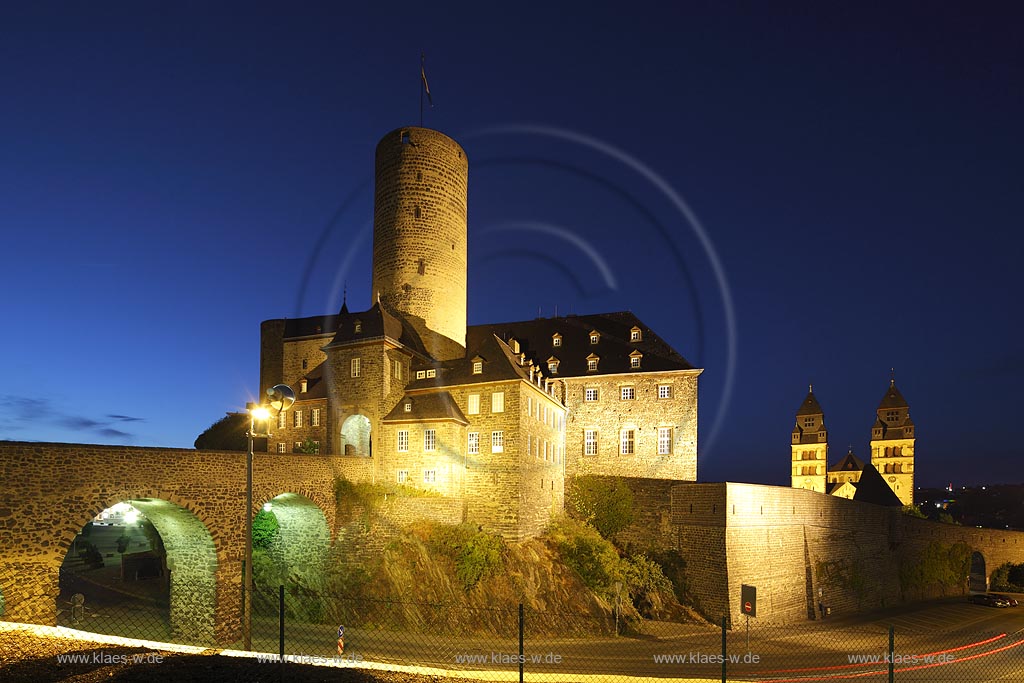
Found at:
<point>978,581</point>
<point>190,582</point>
<point>355,435</point>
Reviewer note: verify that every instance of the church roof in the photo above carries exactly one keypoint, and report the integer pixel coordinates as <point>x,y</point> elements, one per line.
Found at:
<point>438,405</point>
<point>613,348</point>
<point>830,488</point>
<point>810,406</point>
<point>872,488</point>
<point>893,398</point>
<point>849,463</point>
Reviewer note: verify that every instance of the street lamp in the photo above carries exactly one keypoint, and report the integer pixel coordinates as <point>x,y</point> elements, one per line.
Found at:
<point>281,398</point>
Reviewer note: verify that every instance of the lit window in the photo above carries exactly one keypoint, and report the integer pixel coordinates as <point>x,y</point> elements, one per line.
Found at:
<point>626,442</point>
<point>595,337</point>
<point>478,367</point>
<point>474,443</point>
<point>408,406</point>
<point>403,441</point>
<point>431,373</point>
<point>664,440</point>
<point>529,406</point>
<point>634,361</point>
<point>280,421</point>
<point>592,364</point>
<point>664,391</point>
<point>429,476</point>
<point>358,327</point>
<point>498,402</point>
<point>590,394</point>
<point>303,385</point>
<point>420,374</point>
<point>316,447</point>
<point>556,340</point>
<point>497,442</point>
<point>635,334</point>
<point>628,393</point>
<point>553,367</point>
<point>356,363</point>
<point>282,447</point>
<point>403,476</point>
<point>297,418</point>
<point>473,404</point>
<point>297,448</point>
<point>314,417</point>
<point>397,367</point>
<point>429,439</point>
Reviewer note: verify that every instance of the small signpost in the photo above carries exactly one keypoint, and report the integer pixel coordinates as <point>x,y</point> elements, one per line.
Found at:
<point>748,604</point>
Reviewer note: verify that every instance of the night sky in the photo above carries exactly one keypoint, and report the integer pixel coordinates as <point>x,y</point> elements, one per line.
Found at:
<point>786,192</point>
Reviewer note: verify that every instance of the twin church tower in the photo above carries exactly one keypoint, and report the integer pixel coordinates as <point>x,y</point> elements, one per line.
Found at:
<point>892,450</point>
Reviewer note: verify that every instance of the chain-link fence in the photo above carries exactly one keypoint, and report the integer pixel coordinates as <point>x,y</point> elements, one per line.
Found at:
<point>961,641</point>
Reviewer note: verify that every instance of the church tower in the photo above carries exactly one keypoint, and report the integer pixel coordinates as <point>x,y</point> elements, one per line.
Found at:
<point>892,444</point>
<point>419,236</point>
<point>810,446</point>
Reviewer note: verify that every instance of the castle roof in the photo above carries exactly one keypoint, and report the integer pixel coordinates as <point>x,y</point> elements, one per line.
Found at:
<point>893,398</point>
<point>438,405</point>
<point>872,488</point>
<point>614,346</point>
<point>849,463</point>
<point>316,388</point>
<point>376,323</point>
<point>498,363</point>
<point>810,406</point>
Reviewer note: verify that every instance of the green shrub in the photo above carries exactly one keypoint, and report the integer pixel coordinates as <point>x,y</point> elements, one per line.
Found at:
<point>264,530</point>
<point>1008,577</point>
<point>475,553</point>
<point>602,502</point>
<point>588,553</point>
<point>914,511</point>
<point>673,566</point>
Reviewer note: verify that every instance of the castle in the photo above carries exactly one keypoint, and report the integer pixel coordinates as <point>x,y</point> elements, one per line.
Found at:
<point>498,415</point>
<point>892,449</point>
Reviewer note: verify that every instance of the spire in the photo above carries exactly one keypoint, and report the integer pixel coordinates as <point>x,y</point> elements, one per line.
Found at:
<point>810,406</point>
<point>892,377</point>
<point>344,298</point>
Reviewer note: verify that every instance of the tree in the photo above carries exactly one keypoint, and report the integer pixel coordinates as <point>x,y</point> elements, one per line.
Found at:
<point>603,502</point>
<point>228,434</point>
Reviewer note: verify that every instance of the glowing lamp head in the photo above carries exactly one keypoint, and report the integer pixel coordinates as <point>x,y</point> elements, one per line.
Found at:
<point>260,413</point>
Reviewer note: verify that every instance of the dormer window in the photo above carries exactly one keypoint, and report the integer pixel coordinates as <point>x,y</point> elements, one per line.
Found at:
<point>431,373</point>
<point>595,336</point>
<point>408,406</point>
<point>556,339</point>
<point>420,374</point>
<point>302,386</point>
<point>635,335</point>
<point>592,363</point>
<point>478,367</point>
<point>357,327</point>
<point>634,359</point>
<point>553,365</point>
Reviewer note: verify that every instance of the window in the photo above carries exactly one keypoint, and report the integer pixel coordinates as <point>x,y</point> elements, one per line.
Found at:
<point>431,373</point>
<point>590,394</point>
<point>416,212</point>
<point>664,440</point>
<point>627,393</point>
<point>474,443</point>
<point>473,404</point>
<point>545,414</point>
<point>556,340</point>
<point>282,447</point>
<point>420,374</point>
<point>403,440</point>
<point>498,402</point>
<point>280,421</point>
<point>358,327</point>
<point>553,367</point>
<point>356,363</point>
<point>297,418</point>
<point>664,391</point>
<point>303,385</point>
<point>626,442</point>
<point>634,361</point>
<point>478,367</point>
<point>397,368</point>
<point>429,476</point>
<point>305,364</point>
<point>316,447</point>
<point>408,406</point>
<point>297,448</point>
<point>529,406</point>
<point>497,442</point>
<point>429,439</point>
<point>314,417</point>
<point>592,364</point>
<point>808,422</point>
<point>635,335</point>
<point>403,476</point>
<point>891,415</point>
<point>595,336</point>
<point>404,137</point>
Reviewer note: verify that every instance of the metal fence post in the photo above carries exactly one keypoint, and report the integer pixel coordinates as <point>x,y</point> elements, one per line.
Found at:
<point>892,652</point>
<point>280,625</point>
<point>522,659</point>
<point>723,648</point>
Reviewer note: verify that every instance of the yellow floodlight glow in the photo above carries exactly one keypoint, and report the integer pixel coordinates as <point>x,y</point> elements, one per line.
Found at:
<point>260,413</point>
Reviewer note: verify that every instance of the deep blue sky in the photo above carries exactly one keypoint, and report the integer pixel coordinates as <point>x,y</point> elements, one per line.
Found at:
<point>167,171</point>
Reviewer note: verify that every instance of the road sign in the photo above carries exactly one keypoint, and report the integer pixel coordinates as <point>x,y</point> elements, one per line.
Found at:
<point>748,600</point>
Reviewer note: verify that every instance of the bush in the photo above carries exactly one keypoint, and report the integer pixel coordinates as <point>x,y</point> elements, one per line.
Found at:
<point>264,530</point>
<point>603,502</point>
<point>914,511</point>
<point>1008,577</point>
<point>589,554</point>
<point>673,566</point>
<point>475,553</point>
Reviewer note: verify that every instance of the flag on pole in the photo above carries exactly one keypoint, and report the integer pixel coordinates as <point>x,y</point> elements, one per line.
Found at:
<point>423,77</point>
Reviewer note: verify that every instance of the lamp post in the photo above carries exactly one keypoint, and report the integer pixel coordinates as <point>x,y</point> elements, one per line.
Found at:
<point>281,398</point>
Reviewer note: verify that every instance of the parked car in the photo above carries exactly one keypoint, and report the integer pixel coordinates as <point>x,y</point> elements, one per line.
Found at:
<point>1012,601</point>
<point>988,599</point>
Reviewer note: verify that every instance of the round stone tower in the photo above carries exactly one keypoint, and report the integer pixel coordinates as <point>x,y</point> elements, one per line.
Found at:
<point>419,235</point>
